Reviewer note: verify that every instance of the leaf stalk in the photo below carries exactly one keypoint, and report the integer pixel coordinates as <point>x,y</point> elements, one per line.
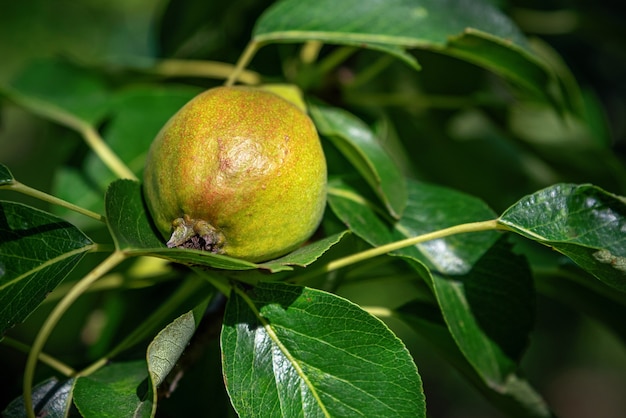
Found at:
<point>29,191</point>
<point>79,288</point>
<point>242,63</point>
<point>43,357</point>
<point>339,263</point>
<point>102,150</point>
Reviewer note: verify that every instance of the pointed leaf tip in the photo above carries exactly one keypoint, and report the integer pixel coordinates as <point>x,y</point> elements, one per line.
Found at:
<point>583,222</point>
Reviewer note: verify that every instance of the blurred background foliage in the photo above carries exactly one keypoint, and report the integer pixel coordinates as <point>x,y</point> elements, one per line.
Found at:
<point>579,366</point>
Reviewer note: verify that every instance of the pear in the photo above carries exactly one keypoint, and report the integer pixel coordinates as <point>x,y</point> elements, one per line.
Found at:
<point>238,171</point>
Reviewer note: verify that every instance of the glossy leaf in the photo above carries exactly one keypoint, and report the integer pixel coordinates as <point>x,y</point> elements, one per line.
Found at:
<point>37,251</point>
<point>429,208</point>
<point>474,31</point>
<point>127,217</point>
<point>291,351</point>
<point>51,399</point>
<point>432,208</point>
<point>116,390</point>
<point>361,147</point>
<point>395,22</point>
<point>584,222</point>
<point>200,258</point>
<point>305,255</point>
<point>515,398</point>
<point>351,205</point>
<point>477,285</point>
<point>490,312</point>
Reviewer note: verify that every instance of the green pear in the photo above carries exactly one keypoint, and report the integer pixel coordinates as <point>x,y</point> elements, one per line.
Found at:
<point>238,171</point>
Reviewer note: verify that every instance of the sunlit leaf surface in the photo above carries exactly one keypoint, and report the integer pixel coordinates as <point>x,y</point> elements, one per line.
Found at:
<point>475,31</point>
<point>295,352</point>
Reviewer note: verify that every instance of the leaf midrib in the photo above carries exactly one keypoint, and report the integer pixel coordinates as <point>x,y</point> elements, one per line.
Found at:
<point>292,360</point>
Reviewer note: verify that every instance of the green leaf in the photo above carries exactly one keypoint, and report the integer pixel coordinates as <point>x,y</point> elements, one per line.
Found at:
<point>199,258</point>
<point>430,208</point>
<point>468,275</point>
<point>192,293</point>
<point>361,147</point>
<point>392,25</point>
<point>61,92</point>
<point>116,390</point>
<point>515,398</point>
<point>51,399</point>
<point>305,255</point>
<point>539,124</point>
<point>406,23</point>
<point>127,217</point>
<point>584,222</point>
<point>271,27</point>
<point>272,339</point>
<point>169,344</point>
<point>6,177</point>
<point>350,203</point>
<point>490,312</point>
<point>474,31</point>
<point>509,61</point>
<point>37,251</point>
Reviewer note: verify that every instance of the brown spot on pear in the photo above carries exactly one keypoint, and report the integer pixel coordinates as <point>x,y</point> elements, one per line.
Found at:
<point>237,171</point>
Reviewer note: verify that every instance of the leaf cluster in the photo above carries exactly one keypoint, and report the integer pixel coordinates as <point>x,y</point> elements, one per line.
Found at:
<point>468,174</point>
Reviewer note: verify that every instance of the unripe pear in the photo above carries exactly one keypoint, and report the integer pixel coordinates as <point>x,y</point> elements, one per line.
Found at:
<point>237,171</point>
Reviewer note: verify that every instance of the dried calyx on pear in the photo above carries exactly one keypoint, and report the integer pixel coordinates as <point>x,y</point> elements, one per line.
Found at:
<point>238,171</point>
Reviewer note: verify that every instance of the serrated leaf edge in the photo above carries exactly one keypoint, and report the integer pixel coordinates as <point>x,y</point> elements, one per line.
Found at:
<point>270,332</point>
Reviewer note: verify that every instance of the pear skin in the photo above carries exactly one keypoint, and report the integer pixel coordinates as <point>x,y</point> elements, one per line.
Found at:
<point>238,171</point>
